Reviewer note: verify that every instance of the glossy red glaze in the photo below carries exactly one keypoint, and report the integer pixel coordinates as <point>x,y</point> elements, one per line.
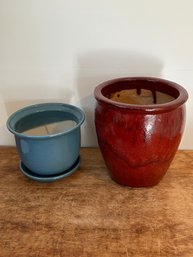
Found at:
<point>138,142</point>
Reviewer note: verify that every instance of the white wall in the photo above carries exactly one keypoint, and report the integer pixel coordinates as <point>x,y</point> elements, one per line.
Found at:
<point>59,50</point>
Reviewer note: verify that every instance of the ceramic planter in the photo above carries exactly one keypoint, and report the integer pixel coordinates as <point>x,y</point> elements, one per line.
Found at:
<point>139,141</point>
<point>46,157</point>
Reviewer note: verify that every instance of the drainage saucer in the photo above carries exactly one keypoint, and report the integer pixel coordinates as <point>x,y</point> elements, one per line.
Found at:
<point>50,178</point>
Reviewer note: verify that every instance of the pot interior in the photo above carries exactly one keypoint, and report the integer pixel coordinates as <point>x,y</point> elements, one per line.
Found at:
<point>141,96</point>
<point>141,92</point>
<point>45,123</point>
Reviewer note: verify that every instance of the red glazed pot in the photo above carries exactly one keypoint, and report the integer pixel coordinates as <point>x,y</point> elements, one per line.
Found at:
<point>138,142</point>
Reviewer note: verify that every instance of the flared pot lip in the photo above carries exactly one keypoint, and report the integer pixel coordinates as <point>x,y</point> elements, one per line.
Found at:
<point>152,108</point>
<point>48,106</point>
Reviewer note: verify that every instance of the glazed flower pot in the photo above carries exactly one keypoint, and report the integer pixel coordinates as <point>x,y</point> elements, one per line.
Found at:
<point>139,123</point>
<point>48,139</point>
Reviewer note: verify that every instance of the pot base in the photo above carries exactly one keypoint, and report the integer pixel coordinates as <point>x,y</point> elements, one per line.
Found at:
<point>49,178</point>
<point>144,174</point>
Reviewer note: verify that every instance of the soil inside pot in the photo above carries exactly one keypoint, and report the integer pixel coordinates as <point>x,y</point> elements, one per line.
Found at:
<point>141,97</point>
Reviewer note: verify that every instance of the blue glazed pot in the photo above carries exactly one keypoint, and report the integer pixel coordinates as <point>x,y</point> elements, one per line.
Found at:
<point>48,154</point>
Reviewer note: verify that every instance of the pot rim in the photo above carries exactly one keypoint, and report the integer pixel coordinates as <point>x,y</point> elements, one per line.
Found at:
<point>35,108</point>
<point>152,108</point>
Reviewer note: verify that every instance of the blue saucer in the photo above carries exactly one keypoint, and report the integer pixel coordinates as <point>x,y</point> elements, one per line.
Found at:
<point>49,178</point>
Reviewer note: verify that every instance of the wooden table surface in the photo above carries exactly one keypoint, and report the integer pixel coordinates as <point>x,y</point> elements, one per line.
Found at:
<point>87,214</point>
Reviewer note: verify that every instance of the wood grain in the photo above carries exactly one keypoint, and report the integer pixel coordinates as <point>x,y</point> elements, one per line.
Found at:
<point>87,214</point>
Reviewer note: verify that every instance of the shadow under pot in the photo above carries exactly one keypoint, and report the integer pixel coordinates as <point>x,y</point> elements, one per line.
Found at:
<point>139,123</point>
<point>48,139</point>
